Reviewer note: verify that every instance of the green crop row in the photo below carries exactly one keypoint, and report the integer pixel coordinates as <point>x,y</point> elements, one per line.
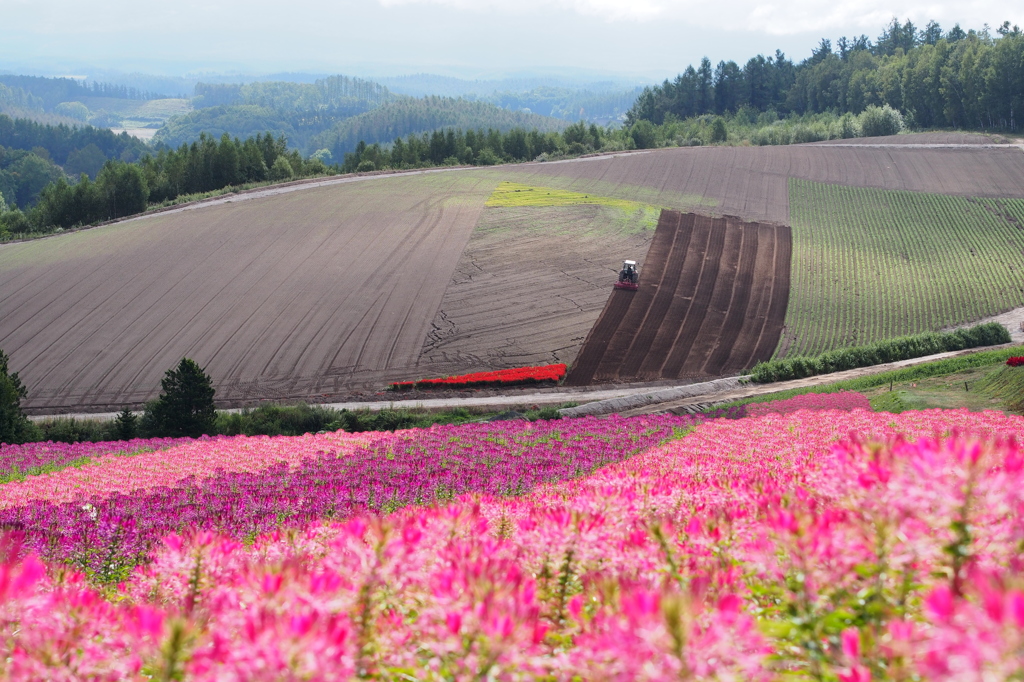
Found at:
<point>903,348</point>
<point>872,264</point>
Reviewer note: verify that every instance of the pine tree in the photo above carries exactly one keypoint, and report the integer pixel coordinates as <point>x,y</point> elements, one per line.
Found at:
<point>126,426</point>
<point>185,408</point>
<point>13,423</point>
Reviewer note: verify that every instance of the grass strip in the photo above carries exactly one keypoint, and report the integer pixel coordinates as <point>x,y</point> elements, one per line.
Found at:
<point>512,194</point>
<point>923,371</point>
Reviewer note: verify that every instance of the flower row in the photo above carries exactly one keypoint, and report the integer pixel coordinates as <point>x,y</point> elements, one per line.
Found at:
<point>501,377</point>
<point>31,458</point>
<point>753,549</point>
<point>107,519</point>
<point>842,400</point>
<point>1015,361</point>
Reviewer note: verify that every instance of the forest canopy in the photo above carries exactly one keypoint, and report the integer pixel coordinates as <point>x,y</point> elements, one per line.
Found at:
<point>936,78</point>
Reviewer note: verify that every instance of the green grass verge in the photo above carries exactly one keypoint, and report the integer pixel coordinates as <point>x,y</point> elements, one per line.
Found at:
<point>872,264</point>
<point>510,194</point>
<point>915,373</point>
<point>1008,385</point>
<point>287,420</point>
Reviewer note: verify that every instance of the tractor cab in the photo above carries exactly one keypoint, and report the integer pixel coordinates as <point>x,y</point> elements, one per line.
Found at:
<point>629,276</point>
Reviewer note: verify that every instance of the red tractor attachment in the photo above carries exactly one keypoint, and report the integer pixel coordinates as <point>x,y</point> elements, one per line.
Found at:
<point>629,276</point>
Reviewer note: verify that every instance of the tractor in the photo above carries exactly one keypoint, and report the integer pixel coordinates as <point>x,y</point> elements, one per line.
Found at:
<point>629,276</point>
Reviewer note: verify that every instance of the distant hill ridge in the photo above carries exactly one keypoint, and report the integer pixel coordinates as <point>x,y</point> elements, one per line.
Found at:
<point>421,115</point>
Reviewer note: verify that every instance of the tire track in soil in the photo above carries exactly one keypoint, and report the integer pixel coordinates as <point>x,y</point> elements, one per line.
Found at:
<point>742,352</point>
<point>772,331</point>
<point>679,358</point>
<point>662,301</point>
<point>680,303</point>
<point>618,313</point>
<point>741,291</point>
<point>712,301</point>
<point>622,336</point>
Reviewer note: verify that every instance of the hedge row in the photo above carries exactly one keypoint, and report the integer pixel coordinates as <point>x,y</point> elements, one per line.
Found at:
<point>903,348</point>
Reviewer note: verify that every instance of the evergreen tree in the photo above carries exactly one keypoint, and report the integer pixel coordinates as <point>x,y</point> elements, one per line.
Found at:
<point>14,424</point>
<point>185,407</point>
<point>126,426</point>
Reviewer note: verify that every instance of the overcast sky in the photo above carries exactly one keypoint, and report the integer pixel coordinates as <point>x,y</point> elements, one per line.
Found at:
<point>642,39</point>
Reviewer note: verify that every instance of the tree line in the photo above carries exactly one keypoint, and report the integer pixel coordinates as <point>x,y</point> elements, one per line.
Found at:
<point>935,78</point>
<point>418,115</point>
<point>185,408</point>
<point>53,91</point>
<point>454,146</point>
<point>61,141</point>
<point>298,111</point>
<point>122,189</point>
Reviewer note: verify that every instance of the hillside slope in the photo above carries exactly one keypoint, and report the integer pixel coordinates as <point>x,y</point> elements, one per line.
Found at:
<point>353,282</point>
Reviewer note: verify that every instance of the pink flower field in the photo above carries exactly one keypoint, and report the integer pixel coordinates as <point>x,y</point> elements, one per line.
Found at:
<point>838,545</point>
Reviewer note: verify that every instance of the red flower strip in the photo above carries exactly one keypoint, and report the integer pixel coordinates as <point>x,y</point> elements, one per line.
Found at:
<point>501,377</point>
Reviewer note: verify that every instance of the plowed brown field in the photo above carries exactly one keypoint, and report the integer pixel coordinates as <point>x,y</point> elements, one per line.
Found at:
<point>324,291</point>
<point>529,287</point>
<point>752,182</point>
<point>712,300</point>
<point>297,295</point>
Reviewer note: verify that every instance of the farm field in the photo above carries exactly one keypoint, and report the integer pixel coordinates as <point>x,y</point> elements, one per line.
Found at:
<point>871,264</point>
<point>325,291</point>
<point>534,277</point>
<point>604,545</point>
<point>753,182</point>
<point>711,303</point>
<point>292,295</point>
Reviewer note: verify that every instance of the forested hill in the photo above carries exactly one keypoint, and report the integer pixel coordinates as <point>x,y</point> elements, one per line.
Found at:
<point>53,91</point>
<point>297,111</point>
<point>62,142</point>
<point>936,78</point>
<point>414,116</point>
<point>335,92</point>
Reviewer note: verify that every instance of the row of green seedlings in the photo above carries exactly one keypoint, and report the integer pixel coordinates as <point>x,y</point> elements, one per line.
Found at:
<point>903,348</point>
<point>927,285</point>
<point>917,290</point>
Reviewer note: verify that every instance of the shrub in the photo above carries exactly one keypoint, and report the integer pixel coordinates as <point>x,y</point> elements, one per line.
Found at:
<point>281,170</point>
<point>644,135</point>
<point>903,348</point>
<point>71,430</point>
<point>880,121</point>
<point>719,133</point>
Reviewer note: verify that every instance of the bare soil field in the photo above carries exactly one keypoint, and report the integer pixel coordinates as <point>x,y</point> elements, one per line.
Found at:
<point>530,285</point>
<point>752,182</point>
<point>712,300</point>
<point>297,295</point>
<point>338,286</point>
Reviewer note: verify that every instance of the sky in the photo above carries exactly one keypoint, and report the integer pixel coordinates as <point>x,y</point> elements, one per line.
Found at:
<point>638,40</point>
